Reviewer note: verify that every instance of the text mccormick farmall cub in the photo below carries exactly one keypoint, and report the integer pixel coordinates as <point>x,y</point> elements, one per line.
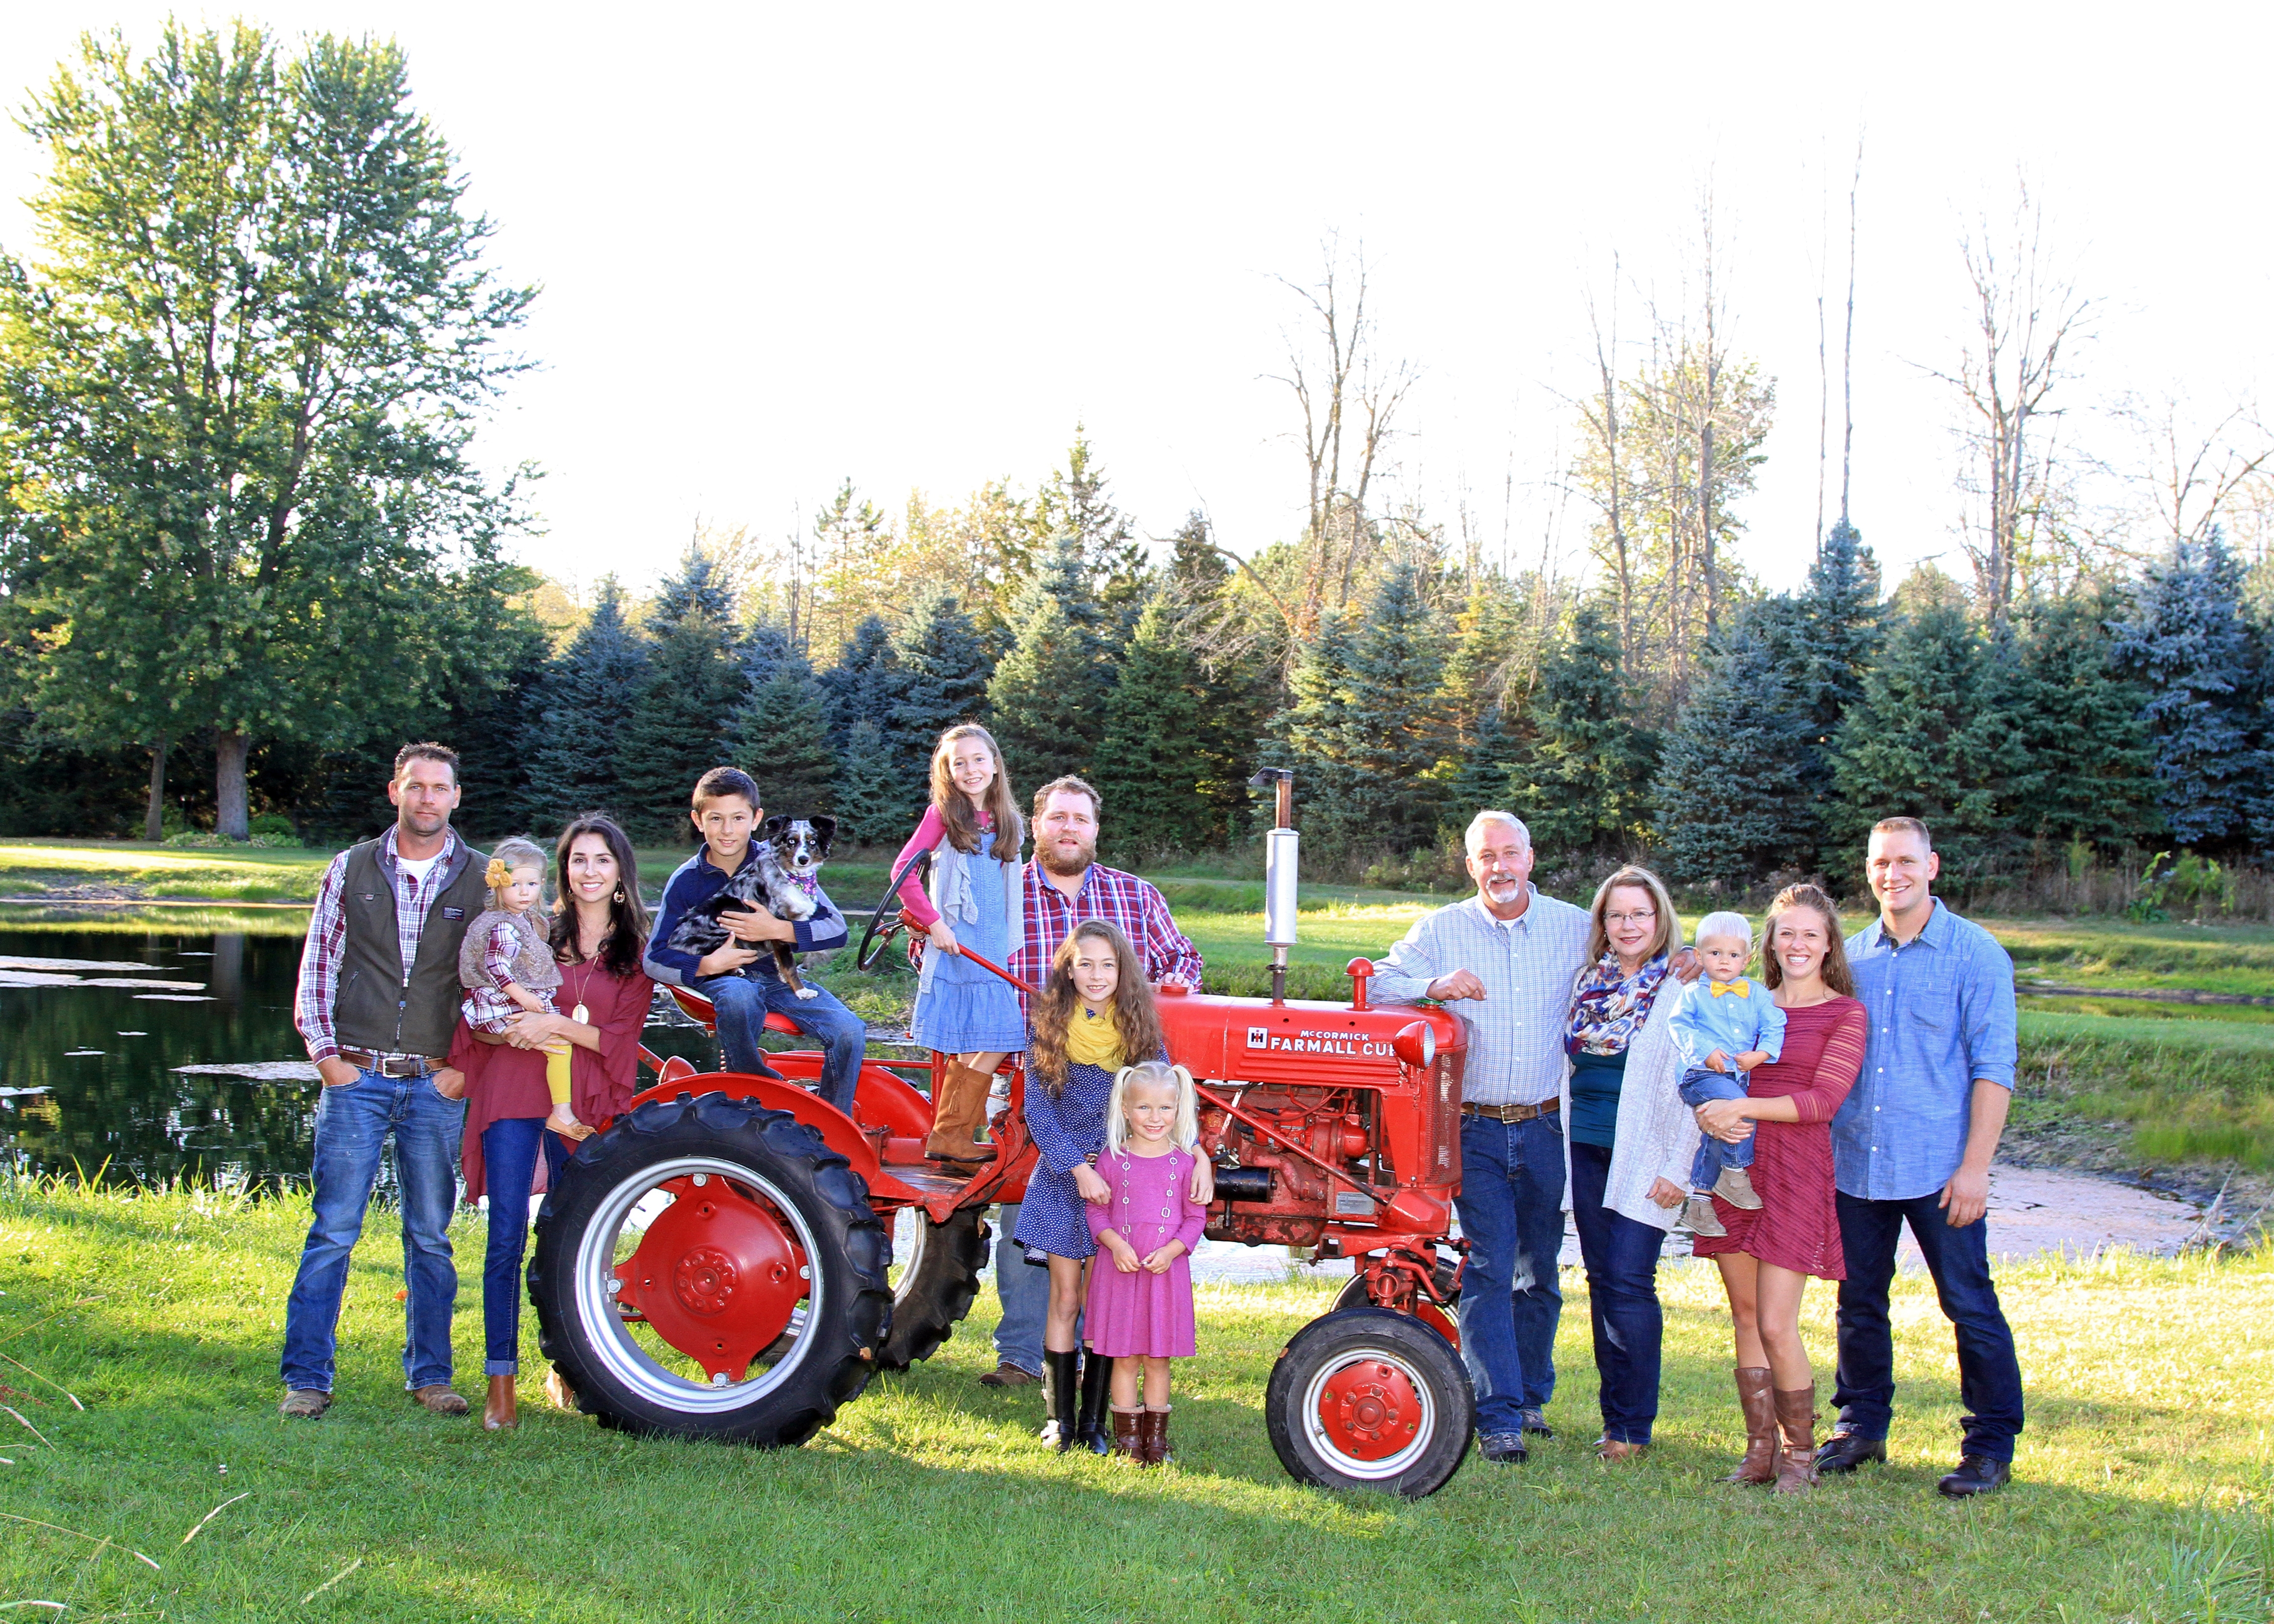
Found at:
<point>714,1263</point>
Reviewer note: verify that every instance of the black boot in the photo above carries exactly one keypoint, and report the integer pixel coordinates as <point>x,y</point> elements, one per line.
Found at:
<point>1061,1398</point>
<point>1097,1381</point>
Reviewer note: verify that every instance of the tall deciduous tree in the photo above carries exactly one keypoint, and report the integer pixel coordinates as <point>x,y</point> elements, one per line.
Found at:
<point>237,392</point>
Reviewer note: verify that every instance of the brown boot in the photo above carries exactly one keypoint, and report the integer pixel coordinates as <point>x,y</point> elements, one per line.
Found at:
<point>498,1412</point>
<point>1153,1438</point>
<point>1126,1430</point>
<point>1796,1418</point>
<point>1760,1462</point>
<point>956,1115</point>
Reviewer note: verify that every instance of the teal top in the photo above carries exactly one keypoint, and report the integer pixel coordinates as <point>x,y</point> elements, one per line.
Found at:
<point>1595,1081</point>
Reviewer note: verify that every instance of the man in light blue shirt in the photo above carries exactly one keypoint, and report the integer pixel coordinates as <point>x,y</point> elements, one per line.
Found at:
<point>1503,961</point>
<point>1911,1145</point>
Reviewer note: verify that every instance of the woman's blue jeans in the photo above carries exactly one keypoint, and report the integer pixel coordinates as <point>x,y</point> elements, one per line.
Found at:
<point>1621,1257</point>
<point>509,1151</point>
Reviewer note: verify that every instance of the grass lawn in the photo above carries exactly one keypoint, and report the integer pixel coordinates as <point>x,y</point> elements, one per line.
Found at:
<point>134,869</point>
<point>2142,1493</point>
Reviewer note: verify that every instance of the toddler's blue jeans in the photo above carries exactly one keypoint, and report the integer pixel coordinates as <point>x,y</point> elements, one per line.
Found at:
<point>1700,1084</point>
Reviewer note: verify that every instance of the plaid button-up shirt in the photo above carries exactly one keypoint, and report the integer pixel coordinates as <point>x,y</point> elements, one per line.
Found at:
<point>327,935</point>
<point>1136,906</point>
<point>1527,966</point>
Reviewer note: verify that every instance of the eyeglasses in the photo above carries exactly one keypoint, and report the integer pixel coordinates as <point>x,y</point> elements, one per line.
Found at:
<point>1643,918</point>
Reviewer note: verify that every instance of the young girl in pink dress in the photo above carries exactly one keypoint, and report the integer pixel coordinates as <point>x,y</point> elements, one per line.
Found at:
<point>1140,1312</point>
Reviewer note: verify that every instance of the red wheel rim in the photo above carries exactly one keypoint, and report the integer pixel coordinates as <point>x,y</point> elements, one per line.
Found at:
<point>1368,1409</point>
<point>715,1275</point>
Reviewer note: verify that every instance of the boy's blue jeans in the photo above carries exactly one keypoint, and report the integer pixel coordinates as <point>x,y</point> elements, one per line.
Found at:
<point>742,1004</point>
<point>1700,1084</point>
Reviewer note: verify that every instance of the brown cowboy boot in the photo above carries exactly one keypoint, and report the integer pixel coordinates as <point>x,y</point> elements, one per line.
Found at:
<point>1126,1430</point>
<point>1796,1418</point>
<point>956,1115</point>
<point>1760,1462</point>
<point>1153,1438</point>
<point>498,1411</point>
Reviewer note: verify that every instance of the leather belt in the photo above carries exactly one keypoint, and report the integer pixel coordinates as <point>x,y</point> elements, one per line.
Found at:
<point>1513,1113</point>
<point>390,1065</point>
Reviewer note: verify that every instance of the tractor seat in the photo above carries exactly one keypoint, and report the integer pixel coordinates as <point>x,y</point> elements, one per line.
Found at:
<point>697,1009</point>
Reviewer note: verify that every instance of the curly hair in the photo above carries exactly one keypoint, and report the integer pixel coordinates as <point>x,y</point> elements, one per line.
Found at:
<point>1836,974</point>
<point>1053,1011</point>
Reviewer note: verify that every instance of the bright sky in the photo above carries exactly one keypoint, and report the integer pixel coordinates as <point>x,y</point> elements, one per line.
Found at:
<point>781,244</point>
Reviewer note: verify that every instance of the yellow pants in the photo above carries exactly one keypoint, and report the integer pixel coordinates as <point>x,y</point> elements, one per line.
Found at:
<point>556,1076</point>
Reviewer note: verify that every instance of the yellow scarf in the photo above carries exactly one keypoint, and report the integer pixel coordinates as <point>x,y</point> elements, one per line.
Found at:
<point>1094,1040</point>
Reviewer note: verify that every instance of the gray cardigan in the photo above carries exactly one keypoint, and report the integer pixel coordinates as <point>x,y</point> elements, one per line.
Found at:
<point>1656,1136</point>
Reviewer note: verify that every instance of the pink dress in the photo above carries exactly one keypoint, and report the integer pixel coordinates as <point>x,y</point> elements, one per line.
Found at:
<point>1144,1313</point>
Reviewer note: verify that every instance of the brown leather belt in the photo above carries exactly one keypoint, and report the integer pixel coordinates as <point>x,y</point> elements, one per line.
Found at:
<point>390,1065</point>
<point>1513,1113</point>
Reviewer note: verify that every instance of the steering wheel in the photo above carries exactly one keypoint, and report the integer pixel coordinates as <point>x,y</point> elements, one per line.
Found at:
<point>886,922</point>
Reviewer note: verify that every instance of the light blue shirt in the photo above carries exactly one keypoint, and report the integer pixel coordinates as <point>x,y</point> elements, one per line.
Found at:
<point>1527,966</point>
<point>1942,1018</point>
<point>1733,1023</point>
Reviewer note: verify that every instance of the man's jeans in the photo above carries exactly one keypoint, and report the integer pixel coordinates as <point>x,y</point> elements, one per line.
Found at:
<point>1025,1295</point>
<point>1698,1085</point>
<point>742,1004</point>
<point>352,1124</point>
<point>1989,1372</point>
<point>1511,1207</point>
<point>510,1146</point>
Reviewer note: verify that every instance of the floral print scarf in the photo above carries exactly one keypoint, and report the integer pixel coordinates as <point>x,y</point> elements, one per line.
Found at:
<point>1609,1007</point>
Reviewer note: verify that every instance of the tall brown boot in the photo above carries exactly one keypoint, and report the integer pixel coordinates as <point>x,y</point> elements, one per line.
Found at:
<point>1796,1418</point>
<point>498,1410</point>
<point>956,1115</point>
<point>1153,1437</point>
<point>1760,1462</point>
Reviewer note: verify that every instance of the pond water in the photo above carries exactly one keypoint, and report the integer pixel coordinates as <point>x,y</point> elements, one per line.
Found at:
<point>97,1024</point>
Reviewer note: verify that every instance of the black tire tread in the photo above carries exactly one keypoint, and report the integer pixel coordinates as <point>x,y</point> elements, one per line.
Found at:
<point>932,1302</point>
<point>1318,1342</point>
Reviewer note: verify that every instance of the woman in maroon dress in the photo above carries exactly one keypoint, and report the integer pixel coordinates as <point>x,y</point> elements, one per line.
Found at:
<point>598,930</point>
<point>1767,1255</point>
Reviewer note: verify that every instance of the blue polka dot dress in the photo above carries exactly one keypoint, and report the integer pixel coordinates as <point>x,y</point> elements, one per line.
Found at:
<point>1067,1131</point>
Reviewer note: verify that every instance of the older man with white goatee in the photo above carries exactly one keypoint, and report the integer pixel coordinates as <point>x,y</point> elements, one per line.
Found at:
<point>1503,961</point>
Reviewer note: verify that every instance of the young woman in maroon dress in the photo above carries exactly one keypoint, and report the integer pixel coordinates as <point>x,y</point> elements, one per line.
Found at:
<point>598,929</point>
<point>1767,1255</point>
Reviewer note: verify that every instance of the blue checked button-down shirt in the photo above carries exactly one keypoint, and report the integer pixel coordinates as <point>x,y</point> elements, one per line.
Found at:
<point>1942,1017</point>
<point>1527,966</point>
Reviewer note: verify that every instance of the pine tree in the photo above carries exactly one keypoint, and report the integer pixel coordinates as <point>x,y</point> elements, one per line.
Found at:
<point>781,735</point>
<point>873,801</point>
<point>1582,779</point>
<point>1733,805</point>
<point>684,720</point>
<point>1398,731</point>
<point>495,728</point>
<point>1074,502</point>
<point>946,668</point>
<point>1313,736</point>
<point>587,699</point>
<point>1048,693</point>
<point>2089,774</point>
<point>1840,622</point>
<point>2188,640</point>
<point>1148,770</point>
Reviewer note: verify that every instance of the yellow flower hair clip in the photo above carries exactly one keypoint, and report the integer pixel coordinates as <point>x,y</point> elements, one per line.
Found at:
<point>497,875</point>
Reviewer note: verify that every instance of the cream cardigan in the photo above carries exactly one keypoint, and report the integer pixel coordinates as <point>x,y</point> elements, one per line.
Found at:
<point>1656,1136</point>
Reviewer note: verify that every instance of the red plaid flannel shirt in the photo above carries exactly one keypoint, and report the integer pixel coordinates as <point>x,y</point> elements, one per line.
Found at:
<point>327,935</point>
<point>1136,906</point>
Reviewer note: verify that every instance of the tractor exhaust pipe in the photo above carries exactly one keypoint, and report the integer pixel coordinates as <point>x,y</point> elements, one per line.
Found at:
<point>1280,867</point>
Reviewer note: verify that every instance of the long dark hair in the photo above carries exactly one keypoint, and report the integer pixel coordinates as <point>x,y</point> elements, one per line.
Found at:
<point>627,938</point>
<point>954,806</point>
<point>1052,1009</point>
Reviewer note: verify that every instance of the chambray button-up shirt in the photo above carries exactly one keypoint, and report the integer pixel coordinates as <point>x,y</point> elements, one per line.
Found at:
<point>1942,1015</point>
<point>1527,966</point>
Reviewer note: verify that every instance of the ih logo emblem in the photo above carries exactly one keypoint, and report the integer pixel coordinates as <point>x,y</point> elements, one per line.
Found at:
<point>1259,1037</point>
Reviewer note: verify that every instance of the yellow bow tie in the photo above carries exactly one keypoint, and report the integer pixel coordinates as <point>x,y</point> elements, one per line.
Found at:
<point>1744,989</point>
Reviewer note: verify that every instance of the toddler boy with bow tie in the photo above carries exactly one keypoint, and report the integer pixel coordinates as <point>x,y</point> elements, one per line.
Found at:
<point>1723,1026</point>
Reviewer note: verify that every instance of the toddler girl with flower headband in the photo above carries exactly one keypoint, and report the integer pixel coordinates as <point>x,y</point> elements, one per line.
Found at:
<point>508,966</point>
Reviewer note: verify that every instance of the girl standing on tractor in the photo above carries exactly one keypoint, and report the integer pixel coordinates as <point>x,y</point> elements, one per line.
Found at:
<point>970,1015</point>
<point>1091,1016</point>
<point>1140,1312</point>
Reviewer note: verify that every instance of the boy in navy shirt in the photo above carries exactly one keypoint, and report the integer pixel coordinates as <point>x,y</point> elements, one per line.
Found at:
<point>740,978</point>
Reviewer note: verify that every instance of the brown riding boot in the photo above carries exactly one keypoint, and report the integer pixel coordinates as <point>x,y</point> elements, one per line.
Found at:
<point>1126,1428</point>
<point>956,1115</point>
<point>498,1410</point>
<point>1796,1418</point>
<point>1760,1462</point>
<point>1153,1438</point>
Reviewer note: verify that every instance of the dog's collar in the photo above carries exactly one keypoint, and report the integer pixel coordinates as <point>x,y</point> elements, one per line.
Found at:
<point>810,885</point>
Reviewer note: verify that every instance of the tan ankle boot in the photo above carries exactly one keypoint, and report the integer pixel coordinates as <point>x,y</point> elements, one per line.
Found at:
<point>498,1412</point>
<point>956,1115</point>
<point>1753,1397</point>
<point>1796,1418</point>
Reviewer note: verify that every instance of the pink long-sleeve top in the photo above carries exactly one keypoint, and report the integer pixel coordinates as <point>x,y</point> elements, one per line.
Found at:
<point>930,831</point>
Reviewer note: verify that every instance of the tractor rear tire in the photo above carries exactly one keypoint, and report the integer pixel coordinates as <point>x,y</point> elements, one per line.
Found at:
<point>806,1190</point>
<point>1368,1398</point>
<point>937,1284</point>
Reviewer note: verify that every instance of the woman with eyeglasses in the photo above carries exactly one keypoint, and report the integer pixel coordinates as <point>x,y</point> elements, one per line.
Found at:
<point>1630,1140</point>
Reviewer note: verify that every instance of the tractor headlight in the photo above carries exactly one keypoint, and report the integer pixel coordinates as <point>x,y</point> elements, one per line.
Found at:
<point>1416,1044</point>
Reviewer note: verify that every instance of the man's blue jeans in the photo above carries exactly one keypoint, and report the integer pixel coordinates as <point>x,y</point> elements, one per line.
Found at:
<point>352,1124</point>
<point>510,1146</point>
<point>742,1004</point>
<point>1511,1207</point>
<point>1025,1295</point>
<point>1989,1371</point>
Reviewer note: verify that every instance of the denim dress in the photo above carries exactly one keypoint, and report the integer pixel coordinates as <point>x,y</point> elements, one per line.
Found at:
<point>965,1009</point>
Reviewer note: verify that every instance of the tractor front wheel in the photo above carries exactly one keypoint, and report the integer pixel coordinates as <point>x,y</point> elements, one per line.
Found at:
<point>1368,1398</point>
<point>710,1268</point>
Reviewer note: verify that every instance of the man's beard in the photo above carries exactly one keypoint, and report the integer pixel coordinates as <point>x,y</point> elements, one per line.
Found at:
<point>1053,862</point>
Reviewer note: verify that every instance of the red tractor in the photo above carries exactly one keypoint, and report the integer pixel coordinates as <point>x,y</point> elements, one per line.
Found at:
<point>714,1263</point>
